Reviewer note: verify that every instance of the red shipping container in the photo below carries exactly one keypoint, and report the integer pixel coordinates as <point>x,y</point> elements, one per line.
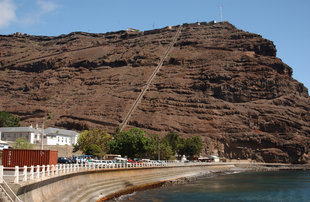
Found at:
<point>25,157</point>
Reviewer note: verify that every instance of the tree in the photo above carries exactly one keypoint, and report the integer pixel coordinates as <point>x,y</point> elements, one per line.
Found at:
<point>93,142</point>
<point>94,150</point>
<point>181,147</point>
<point>132,143</point>
<point>165,150</point>
<point>161,148</point>
<point>193,146</point>
<point>8,120</point>
<point>22,143</point>
<point>117,130</point>
<point>173,139</point>
<point>152,152</point>
<point>190,146</point>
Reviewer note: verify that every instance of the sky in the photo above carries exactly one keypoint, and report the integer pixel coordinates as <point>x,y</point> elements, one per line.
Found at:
<point>285,22</point>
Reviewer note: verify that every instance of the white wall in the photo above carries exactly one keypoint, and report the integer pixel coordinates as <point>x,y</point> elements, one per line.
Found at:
<point>31,138</point>
<point>74,139</point>
<point>51,140</point>
<point>58,140</point>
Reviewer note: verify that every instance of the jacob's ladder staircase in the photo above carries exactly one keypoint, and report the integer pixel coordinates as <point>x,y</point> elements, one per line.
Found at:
<point>149,81</point>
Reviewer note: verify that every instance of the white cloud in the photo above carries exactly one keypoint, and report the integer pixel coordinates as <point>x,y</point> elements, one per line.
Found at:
<point>7,12</point>
<point>47,6</point>
<point>44,7</point>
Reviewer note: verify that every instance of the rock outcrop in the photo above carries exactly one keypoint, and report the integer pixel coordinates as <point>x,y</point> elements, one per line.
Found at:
<point>219,82</point>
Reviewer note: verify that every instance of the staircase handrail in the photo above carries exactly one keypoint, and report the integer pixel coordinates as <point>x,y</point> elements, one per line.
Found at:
<point>16,197</point>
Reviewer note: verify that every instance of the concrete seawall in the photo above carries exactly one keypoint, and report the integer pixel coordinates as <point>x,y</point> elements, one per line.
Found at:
<point>99,184</point>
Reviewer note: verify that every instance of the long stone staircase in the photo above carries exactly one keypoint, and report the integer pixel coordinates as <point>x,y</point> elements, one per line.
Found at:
<point>149,81</point>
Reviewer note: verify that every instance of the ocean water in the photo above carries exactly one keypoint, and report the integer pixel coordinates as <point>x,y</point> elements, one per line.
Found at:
<point>247,186</point>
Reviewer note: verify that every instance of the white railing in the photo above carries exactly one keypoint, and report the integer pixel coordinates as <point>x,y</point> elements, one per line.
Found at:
<point>19,175</point>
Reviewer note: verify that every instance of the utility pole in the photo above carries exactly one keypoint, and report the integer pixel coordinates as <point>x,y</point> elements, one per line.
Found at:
<point>42,135</point>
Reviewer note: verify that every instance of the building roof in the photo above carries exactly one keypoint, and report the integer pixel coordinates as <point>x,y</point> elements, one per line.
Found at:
<point>47,131</point>
<point>58,131</point>
<point>18,129</point>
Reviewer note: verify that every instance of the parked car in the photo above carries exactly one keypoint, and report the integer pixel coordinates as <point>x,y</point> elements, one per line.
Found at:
<point>101,163</point>
<point>154,162</point>
<point>161,162</point>
<point>4,145</point>
<point>134,161</point>
<point>146,160</point>
<point>63,160</point>
<point>121,160</point>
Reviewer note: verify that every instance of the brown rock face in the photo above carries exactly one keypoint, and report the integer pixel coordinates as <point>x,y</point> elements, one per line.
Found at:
<point>221,83</point>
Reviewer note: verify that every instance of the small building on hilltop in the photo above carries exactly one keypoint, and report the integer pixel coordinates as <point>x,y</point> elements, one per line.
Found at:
<point>132,30</point>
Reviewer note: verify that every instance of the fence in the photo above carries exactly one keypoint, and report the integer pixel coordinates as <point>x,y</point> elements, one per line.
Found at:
<point>18,174</point>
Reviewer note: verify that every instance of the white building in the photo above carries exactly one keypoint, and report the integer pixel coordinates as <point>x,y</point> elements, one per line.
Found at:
<point>31,134</point>
<point>56,136</point>
<point>52,136</point>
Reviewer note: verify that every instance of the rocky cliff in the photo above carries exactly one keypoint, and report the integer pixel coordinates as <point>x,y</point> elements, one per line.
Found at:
<point>219,82</point>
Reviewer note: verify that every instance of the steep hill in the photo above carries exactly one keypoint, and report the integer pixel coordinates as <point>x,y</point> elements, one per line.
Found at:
<point>219,82</point>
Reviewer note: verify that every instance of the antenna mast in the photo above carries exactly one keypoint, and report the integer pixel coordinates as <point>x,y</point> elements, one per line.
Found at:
<point>221,12</point>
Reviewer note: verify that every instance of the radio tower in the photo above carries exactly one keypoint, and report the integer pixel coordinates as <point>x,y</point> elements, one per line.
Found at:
<point>221,13</point>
